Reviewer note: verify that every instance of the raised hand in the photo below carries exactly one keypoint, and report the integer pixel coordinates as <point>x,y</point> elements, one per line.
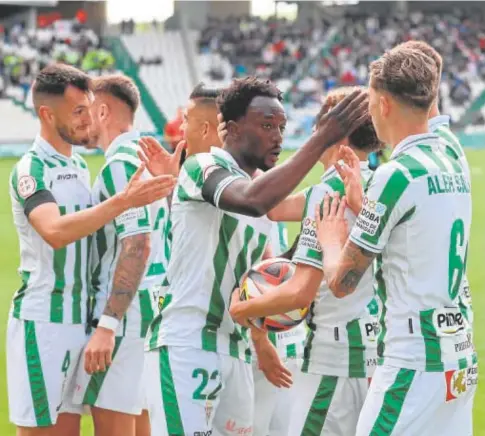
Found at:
<point>332,227</point>
<point>159,161</point>
<point>344,118</point>
<point>349,171</point>
<point>140,192</point>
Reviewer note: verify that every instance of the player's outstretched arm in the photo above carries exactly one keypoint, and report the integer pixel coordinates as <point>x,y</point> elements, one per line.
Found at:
<point>258,197</point>
<point>60,230</point>
<point>130,267</point>
<point>296,293</point>
<point>344,262</point>
<point>290,209</point>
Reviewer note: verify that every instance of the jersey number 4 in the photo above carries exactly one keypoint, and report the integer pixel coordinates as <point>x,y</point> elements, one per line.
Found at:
<point>457,264</point>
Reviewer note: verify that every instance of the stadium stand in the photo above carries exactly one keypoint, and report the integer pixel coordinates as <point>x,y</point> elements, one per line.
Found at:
<point>24,52</point>
<point>339,54</point>
<point>169,82</point>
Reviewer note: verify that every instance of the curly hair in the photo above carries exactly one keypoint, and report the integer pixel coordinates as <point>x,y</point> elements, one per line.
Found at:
<point>233,102</point>
<point>364,137</point>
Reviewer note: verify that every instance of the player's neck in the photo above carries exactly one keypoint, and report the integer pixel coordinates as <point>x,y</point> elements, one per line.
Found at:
<point>53,138</point>
<point>112,133</point>
<point>434,112</point>
<point>247,167</point>
<point>404,130</point>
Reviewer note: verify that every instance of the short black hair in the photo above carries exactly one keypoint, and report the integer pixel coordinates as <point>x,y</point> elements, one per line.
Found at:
<point>54,79</point>
<point>233,102</point>
<point>204,93</point>
<point>363,138</point>
<point>121,87</point>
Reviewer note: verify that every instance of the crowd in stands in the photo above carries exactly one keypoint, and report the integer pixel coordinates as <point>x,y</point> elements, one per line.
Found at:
<point>24,52</point>
<point>317,58</point>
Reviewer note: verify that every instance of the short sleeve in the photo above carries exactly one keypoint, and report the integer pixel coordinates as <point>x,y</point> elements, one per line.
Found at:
<point>383,206</point>
<point>115,176</point>
<point>308,250</point>
<point>203,178</point>
<point>28,177</point>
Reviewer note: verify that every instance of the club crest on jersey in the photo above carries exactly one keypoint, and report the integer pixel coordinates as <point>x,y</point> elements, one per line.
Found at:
<point>26,186</point>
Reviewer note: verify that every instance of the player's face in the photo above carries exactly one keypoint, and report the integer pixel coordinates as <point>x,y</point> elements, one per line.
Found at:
<point>95,129</point>
<point>72,116</point>
<point>261,132</point>
<point>199,128</point>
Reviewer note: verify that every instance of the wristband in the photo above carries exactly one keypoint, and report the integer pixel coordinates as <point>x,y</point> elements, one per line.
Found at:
<point>108,322</point>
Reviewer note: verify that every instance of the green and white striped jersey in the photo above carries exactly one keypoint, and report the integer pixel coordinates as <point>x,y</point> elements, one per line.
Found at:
<point>121,163</point>
<point>211,250</point>
<point>342,339</point>
<point>289,344</point>
<point>54,285</point>
<point>416,216</point>
<point>441,126</point>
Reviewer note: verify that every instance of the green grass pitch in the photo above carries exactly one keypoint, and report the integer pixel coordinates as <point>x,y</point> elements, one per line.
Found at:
<point>10,281</point>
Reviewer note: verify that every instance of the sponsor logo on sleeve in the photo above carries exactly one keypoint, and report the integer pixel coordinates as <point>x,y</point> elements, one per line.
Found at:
<point>370,216</point>
<point>308,237</point>
<point>26,186</point>
<point>131,216</point>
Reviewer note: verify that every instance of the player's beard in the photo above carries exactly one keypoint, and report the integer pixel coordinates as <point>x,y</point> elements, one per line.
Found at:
<point>69,136</point>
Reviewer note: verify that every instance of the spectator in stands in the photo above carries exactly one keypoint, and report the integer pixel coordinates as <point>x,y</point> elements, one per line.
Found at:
<point>24,52</point>
<point>173,133</point>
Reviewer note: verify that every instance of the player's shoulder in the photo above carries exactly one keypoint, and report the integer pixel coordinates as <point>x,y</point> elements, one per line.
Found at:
<point>31,163</point>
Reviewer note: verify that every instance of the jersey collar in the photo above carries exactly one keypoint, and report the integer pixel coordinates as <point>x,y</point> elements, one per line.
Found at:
<point>40,142</point>
<point>414,140</point>
<point>223,154</point>
<point>438,121</point>
<point>332,171</point>
<point>123,139</point>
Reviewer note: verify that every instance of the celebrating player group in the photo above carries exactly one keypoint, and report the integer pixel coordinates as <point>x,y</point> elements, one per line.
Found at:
<point>144,302</point>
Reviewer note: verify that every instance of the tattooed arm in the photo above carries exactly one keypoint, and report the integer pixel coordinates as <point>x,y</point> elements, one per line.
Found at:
<point>344,268</point>
<point>344,262</point>
<point>128,274</point>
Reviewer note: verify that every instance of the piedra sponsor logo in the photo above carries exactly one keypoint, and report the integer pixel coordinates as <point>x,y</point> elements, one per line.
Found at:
<point>448,321</point>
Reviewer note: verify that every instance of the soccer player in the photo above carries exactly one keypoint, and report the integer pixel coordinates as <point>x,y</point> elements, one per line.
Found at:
<point>340,352</point>
<point>440,124</point>
<point>415,219</point>
<point>199,130</point>
<point>199,359</point>
<point>129,261</point>
<point>50,193</point>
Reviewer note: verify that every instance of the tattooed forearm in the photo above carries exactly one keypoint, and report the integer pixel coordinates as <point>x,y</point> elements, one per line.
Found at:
<point>344,276</point>
<point>128,274</point>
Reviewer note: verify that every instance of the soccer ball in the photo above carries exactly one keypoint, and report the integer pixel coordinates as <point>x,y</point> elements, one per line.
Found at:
<point>264,277</point>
